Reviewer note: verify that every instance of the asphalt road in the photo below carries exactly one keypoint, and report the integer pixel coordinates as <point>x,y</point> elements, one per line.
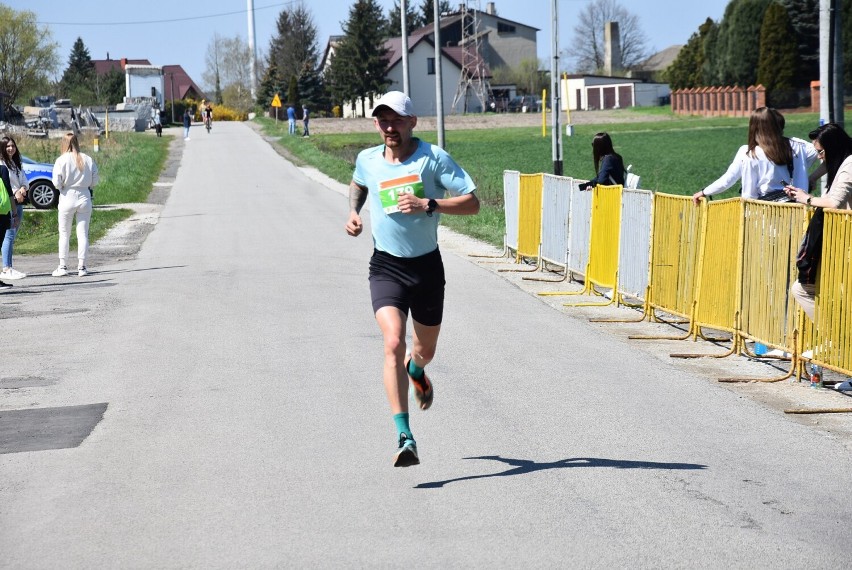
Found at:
<point>214,401</point>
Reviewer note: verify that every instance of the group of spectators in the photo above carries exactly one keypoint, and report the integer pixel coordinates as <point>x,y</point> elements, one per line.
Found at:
<point>770,165</point>
<point>74,176</point>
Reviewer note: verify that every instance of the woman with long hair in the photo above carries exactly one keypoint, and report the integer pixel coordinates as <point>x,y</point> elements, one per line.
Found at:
<point>10,156</point>
<point>74,175</point>
<point>609,165</point>
<point>834,147</point>
<point>768,162</point>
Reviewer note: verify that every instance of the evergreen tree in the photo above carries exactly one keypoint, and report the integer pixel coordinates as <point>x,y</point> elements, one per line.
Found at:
<point>804,17</point>
<point>359,65</point>
<point>310,87</point>
<point>412,19</point>
<point>715,48</point>
<point>427,10</point>
<point>778,57</point>
<point>738,49</point>
<point>846,22</point>
<point>686,70</point>
<point>269,86</point>
<point>78,80</point>
<point>293,92</point>
<point>295,42</point>
<point>110,88</point>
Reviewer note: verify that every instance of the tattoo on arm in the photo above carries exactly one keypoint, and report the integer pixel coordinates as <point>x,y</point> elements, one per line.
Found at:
<point>357,197</point>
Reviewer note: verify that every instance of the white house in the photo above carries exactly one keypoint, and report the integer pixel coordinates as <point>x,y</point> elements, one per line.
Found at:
<point>144,82</point>
<point>591,92</point>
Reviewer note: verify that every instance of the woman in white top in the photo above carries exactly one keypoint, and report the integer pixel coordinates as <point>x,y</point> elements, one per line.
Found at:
<point>768,162</point>
<point>74,174</point>
<point>10,156</point>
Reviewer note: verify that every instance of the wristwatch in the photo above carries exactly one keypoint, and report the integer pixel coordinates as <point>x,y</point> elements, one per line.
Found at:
<point>431,206</point>
<point>808,201</point>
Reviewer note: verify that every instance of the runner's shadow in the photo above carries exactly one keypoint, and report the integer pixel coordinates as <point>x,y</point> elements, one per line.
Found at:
<point>523,466</point>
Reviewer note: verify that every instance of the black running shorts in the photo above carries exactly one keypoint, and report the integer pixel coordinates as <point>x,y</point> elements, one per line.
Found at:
<point>413,284</point>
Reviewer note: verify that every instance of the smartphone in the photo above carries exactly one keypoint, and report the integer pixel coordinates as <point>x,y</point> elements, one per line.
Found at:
<point>784,183</point>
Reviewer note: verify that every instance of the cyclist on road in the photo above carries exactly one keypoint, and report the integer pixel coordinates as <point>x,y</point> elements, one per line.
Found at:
<point>208,116</point>
<point>405,180</point>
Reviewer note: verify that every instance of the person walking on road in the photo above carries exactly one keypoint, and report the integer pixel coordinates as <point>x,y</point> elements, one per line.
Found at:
<point>74,176</point>
<point>187,122</point>
<point>405,180</point>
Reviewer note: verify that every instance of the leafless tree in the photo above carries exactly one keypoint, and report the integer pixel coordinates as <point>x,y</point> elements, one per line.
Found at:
<point>586,50</point>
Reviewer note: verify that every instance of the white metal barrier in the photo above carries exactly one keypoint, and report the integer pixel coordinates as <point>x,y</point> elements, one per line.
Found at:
<point>634,255</point>
<point>511,206</point>
<point>555,209</point>
<point>579,229</point>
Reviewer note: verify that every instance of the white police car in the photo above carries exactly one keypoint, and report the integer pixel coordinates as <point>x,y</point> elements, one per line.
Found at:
<point>42,194</point>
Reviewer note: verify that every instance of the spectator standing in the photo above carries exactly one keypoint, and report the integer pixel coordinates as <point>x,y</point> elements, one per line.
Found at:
<point>11,159</point>
<point>158,123</point>
<point>74,174</point>
<point>5,219</point>
<point>187,122</point>
<point>291,118</point>
<point>834,147</point>
<point>405,180</point>
<point>305,120</point>
<point>609,165</point>
<point>766,161</point>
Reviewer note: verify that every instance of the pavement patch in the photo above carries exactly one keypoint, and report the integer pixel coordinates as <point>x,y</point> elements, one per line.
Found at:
<point>40,429</point>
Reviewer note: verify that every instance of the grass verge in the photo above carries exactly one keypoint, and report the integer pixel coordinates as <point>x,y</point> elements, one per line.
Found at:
<point>128,164</point>
<point>675,155</point>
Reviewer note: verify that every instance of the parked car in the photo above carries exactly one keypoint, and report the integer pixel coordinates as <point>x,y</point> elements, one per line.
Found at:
<point>42,194</point>
<point>523,103</point>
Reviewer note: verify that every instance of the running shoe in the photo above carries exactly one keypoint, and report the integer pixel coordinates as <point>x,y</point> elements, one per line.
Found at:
<point>60,271</point>
<point>406,456</point>
<point>845,386</point>
<point>82,272</point>
<point>421,389</point>
<point>5,285</point>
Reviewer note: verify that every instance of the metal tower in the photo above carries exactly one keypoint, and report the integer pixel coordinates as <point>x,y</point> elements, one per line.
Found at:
<point>473,76</point>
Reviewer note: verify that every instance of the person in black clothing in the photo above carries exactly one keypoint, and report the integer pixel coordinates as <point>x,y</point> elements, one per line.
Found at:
<point>608,164</point>
<point>5,219</point>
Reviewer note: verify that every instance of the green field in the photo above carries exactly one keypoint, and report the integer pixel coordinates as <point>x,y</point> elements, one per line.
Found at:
<point>128,164</point>
<point>673,155</point>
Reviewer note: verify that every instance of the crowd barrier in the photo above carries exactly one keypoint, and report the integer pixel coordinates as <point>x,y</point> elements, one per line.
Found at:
<point>725,266</point>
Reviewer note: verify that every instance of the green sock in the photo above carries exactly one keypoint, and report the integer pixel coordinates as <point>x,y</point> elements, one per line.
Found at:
<point>415,371</point>
<point>401,421</point>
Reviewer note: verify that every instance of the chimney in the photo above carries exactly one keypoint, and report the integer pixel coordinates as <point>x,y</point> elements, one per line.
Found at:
<point>490,9</point>
<point>123,62</point>
<point>612,48</point>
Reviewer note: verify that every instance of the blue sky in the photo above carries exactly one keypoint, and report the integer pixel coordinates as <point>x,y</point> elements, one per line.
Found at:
<point>167,32</point>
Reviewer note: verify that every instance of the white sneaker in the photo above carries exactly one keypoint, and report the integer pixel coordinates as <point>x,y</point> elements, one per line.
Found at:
<point>12,273</point>
<point>82,272</point>
<point>60,271</point>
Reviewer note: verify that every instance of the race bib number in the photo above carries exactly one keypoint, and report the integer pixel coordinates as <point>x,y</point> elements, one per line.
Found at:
<point>389,191</point>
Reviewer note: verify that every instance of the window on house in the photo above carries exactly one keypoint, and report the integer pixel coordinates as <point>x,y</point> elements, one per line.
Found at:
<point>430,65</point>
<point>503,28</point>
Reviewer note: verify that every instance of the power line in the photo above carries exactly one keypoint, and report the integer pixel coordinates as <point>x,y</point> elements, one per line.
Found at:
<point>169,21</point>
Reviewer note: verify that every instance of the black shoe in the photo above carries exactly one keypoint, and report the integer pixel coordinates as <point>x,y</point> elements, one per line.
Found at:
<point>5,285</point>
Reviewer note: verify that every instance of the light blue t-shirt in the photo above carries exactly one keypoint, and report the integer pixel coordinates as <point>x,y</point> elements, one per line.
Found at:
<point>429,173</point>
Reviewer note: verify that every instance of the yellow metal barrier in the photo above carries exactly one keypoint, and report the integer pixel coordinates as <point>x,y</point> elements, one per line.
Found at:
<point>829,343</point>
<point>602,268</point>
<point>674,258</point>
<point>529,217</point>
<point>717,293</point>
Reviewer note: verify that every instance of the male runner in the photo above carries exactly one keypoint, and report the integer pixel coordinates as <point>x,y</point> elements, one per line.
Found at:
<point>406,180</point>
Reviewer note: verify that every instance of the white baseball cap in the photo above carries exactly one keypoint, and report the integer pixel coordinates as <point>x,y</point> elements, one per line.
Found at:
<point>396,101</point>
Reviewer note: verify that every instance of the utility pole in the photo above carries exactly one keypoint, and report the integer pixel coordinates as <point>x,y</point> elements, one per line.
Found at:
<point>830,63</point>
<point>252,50</point>
<point>556,131</point>
<point>439,82</point>
<point>403,8</point>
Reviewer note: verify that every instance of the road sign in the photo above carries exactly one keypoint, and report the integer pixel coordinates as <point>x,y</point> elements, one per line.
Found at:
<point>276,102</point>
